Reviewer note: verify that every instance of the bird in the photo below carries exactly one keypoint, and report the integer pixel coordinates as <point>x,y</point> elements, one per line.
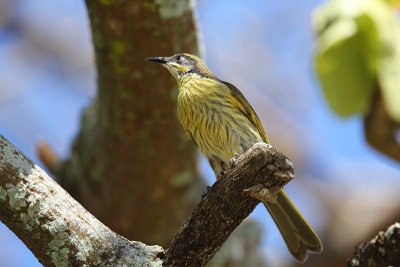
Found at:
<point>221,122</point>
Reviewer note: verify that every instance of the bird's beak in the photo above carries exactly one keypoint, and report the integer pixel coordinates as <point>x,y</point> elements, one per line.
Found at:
<point>160,60</point>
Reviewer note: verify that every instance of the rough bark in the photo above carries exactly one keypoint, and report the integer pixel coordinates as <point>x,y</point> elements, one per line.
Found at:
<point>381,251</point>
<point>55,227</point>
<point>227,203</point>
<point>131,151</point>
<point>60,232</point>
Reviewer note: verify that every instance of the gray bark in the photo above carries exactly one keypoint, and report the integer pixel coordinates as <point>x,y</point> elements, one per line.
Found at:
<point>60,232</point>
<point>55,227</point>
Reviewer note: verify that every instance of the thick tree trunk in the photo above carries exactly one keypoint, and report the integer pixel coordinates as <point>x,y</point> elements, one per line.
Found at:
<point>131,152</point>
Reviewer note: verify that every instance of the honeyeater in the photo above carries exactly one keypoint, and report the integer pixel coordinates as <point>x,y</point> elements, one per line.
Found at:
<point>222,123</point>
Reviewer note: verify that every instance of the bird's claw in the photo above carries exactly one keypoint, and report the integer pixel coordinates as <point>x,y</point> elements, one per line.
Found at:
<point>233,160</point>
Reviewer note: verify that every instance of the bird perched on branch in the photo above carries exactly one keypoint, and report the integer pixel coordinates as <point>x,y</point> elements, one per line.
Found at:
<point>221,122</point>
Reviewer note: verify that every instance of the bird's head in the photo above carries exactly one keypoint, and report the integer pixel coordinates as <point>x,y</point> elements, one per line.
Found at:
<point>182,66</point>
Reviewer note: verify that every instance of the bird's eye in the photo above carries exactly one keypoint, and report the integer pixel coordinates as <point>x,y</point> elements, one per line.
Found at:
<point>179,59</point>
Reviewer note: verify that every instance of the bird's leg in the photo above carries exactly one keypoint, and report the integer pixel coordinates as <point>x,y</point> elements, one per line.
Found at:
<point>233,160</point>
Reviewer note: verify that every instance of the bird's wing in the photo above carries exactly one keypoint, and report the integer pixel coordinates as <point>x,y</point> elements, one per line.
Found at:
<point>241,102</point>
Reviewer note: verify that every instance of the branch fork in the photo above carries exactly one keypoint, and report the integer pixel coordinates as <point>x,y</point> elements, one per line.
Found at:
<point>60,232</point>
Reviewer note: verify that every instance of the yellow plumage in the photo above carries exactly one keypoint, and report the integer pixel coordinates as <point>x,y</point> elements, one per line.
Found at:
<point>210,115</point>
<point>222,123</point>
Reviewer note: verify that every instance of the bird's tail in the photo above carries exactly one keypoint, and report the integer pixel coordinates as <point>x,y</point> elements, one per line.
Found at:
<point>297,233</point>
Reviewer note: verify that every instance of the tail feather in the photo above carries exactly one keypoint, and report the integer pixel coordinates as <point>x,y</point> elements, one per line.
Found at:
<point>297,233</point>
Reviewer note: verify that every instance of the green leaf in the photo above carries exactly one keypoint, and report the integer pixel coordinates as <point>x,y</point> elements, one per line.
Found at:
<point>342,68</point>
<point>358,48</point>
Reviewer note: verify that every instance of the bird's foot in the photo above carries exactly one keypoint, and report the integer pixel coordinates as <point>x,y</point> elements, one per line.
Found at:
<point>233,160</point>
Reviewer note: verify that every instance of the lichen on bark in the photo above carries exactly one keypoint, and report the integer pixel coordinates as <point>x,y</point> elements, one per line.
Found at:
<point>56,228</point>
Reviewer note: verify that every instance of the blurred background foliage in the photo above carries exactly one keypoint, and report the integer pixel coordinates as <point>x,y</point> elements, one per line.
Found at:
<point>358,61</point>
<point>266,48</point>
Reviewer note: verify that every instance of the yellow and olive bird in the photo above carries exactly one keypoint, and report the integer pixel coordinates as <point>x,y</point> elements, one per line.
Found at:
<point>219,119</point>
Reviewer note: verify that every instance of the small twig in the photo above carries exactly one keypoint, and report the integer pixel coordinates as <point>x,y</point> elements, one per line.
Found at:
<point>48,157</point>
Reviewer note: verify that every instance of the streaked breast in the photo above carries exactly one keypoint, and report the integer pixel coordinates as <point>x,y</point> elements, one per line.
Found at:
<point>212,120</point>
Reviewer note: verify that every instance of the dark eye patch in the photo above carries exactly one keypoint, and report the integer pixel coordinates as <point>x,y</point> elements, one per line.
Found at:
<point>179,58</point>
<point>182,60</point>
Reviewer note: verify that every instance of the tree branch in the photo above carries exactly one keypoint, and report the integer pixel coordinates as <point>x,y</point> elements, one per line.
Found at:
<point>56,228</point>
<point>381,251</point>
<point>60,232</point>
<point>226,204</point>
